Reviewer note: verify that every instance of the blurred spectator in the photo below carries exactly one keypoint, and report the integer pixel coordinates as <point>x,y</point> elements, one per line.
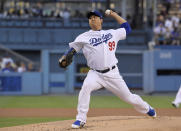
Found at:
<point>8,68</point>
<point>66,14</point>
<point>37,11</point>
<point>66,17</point>
<point>175,37</point>
<point>21,68</point>
<point>7,59</point>
<point>30,67</point>
<point>169,23</point>
<point>160,19</point>
<point>176,20</point>
<point>159,34</point>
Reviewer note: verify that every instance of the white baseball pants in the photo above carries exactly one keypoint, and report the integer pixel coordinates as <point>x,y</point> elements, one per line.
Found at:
<point>112,81</point>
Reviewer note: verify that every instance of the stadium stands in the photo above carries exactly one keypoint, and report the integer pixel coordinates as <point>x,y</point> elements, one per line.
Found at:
<point>40,33</point>
<point>168,24</point>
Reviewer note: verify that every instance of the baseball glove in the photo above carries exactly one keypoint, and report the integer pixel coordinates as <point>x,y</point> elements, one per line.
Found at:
<point>65,61</point>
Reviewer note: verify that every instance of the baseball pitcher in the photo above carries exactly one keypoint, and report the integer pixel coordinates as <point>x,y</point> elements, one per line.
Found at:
<point>99,47</point>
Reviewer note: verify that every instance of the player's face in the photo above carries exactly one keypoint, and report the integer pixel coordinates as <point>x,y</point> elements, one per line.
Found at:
<point>95,22</point>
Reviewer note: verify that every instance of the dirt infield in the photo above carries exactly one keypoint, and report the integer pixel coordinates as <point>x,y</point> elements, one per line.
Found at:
<point>98,120</point>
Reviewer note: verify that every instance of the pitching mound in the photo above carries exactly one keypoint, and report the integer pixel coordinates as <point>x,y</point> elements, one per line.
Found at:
<point>108,123</point>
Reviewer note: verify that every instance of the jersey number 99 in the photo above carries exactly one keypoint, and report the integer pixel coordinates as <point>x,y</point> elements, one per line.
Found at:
<point>111,45</point>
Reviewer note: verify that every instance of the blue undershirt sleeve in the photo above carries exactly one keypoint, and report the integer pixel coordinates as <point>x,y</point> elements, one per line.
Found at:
<point>127,27</point>
<point>70,50</point>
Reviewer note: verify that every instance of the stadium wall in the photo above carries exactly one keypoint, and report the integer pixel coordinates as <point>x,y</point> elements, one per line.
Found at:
<point>162,70</point>
<point>27,83</point>
<point>151,71</point>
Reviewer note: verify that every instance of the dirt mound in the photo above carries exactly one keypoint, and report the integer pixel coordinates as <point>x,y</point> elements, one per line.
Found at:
<point>108,123</point>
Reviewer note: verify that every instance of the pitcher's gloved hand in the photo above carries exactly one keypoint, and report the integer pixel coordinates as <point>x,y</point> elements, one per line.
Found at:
<point>65,61</point>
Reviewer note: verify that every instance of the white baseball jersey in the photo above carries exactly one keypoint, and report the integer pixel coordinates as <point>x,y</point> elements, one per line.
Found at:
<point>99,47</point>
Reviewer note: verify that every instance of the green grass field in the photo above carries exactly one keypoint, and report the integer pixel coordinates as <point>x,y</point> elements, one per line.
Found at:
<point>67,102</point>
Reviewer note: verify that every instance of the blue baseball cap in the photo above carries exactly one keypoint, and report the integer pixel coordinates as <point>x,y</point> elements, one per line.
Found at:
<point>96,13</point>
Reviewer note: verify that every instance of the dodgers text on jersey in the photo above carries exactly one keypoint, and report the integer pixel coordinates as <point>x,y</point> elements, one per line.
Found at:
<point>102,39</point>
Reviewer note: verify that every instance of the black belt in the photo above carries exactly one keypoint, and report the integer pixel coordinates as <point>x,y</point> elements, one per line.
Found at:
<point>106,70</point>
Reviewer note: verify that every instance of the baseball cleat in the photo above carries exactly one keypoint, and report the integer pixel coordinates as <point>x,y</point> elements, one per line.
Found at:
<point>152,112</point>
<point>78,124</point>
<point>175,105</point>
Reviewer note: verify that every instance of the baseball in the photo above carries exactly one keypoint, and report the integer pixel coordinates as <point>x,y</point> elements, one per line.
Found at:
<point>107,12</point>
